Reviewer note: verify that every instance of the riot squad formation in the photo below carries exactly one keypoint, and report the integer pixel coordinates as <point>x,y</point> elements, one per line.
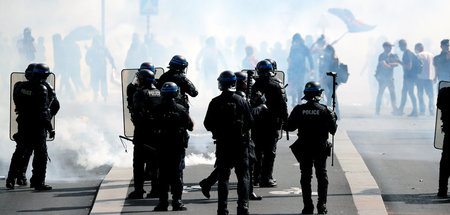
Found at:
<point>246,120</point>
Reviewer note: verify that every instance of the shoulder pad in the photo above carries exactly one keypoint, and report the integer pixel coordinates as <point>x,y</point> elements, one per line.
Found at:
<point>181,107</point>
<point>328,108</point>
<point>325,107</point>
<point>19,83</point>
<point>276,80</point>
<point>241,94</point>
<point>45,86</point>
<point>237,97</point>
<point>48,85</point>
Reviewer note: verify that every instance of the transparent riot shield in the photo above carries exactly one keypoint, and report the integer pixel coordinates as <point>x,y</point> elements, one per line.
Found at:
<point>17,77</point>
<point>278,74</point>
<point>128,77</point>
<point>438,134</point>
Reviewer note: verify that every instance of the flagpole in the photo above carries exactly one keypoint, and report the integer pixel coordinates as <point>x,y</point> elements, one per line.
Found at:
<point>334,42</point>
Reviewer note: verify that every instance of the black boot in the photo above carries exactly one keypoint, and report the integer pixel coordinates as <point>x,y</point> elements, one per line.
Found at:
<point>153,194</point>
<point>253,196</point>
<point>40,187</point>
<point>205,188</point>
<point>268,183</point>
<point>441,193</point>
<point>177,205</point>
<point>256,183</point>
<point>10,182</point>
<point>136,194</point>
<point>322,208</point>
<point>308,207</point>
<point>162,206</point>
<point>242,211</point>
<point>222,212</point>
<point>308,210</point>
<point>22,181</point>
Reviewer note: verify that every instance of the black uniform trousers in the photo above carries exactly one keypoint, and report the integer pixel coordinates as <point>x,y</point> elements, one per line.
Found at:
<point>171,166</point>
<point>39,148</point>
<point>224,163</point>
<point>265,151</point>
<point>19,161</point>
<point>214,176</point>
<point>307,162</point>
<point>444,168</point>
<point>144,155</point>
<point>30,139</point>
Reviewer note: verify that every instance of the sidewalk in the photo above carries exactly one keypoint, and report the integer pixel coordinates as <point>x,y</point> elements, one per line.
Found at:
<point>352,190</point>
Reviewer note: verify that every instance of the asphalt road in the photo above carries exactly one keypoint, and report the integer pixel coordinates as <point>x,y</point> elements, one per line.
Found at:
<point>76,197</point>
<point>284,199</point>
<point>399,153</point>
<point>73,197</point>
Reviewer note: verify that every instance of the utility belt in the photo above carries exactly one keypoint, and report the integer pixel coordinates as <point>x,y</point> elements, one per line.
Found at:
<point>179,135</point>
<point>307,146</point>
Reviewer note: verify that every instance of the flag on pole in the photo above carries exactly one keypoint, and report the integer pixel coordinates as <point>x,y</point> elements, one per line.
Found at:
<point>353,25</point>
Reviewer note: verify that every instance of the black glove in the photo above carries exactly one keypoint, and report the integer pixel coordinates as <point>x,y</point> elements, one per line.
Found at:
<point>51,134</point>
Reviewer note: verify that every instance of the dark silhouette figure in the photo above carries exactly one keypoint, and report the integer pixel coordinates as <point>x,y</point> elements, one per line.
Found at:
<point>96,58</point>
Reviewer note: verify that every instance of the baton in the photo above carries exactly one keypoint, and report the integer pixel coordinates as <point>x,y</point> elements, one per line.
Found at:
<point>131,140</point>
<point>124,144</point>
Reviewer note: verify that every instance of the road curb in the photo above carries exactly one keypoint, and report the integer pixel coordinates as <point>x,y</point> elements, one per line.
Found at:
<point>110,197</point>
<point>365,191</point>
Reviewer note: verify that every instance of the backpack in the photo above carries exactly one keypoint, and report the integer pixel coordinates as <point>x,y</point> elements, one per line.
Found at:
<point>417,65</point>
<point>232,120</point>
<point>342,73</point>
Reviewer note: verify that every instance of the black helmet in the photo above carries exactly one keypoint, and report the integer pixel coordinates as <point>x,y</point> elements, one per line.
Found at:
<point>227,81</point>
<point>169,90</point>
<point>147,65</point>
<point>264,68</point>
<point>312,91</point>
<point>40,72</point>
<point>29,70</point>
<point>241,80</point>
<point>178,63</point>
<point>274,64</point>
<point>145,77</point>
<point>240,76</point>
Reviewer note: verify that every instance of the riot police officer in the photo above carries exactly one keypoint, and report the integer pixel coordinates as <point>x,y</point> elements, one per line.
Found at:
<point>444,169</point>
<point>36,104</point>
<point>206,184</point>
<point>20,159</point>
<point>132,87</point>
<point>314,122</point>
<point>150,168</point>
<point>145,99</point>
<point>173,121</point>
<point>266,133</point>
<point>228,118</point>
<point>177,74</point>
